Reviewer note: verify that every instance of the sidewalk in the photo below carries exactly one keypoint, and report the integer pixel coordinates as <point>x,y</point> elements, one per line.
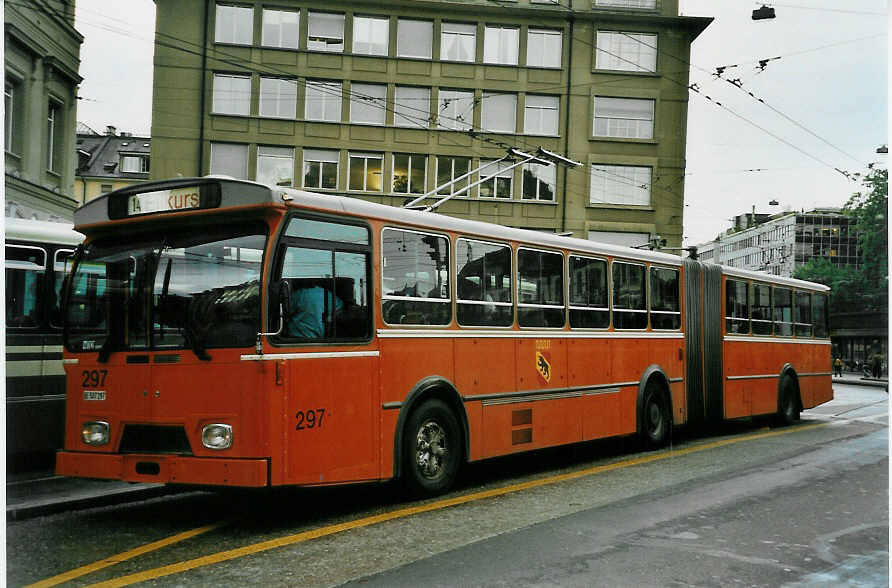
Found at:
<point>38,494</point>
<point>856,379</point>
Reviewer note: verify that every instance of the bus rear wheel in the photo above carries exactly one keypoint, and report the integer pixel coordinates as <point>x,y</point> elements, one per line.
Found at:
<point>431,449</point>
<point>789,402</point>
<point>655,418</point>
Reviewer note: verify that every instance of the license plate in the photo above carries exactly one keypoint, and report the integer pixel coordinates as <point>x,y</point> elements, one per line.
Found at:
<point>94,394</point>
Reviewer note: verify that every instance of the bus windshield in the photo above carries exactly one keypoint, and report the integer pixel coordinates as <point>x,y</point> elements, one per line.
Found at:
<point>172,289</point>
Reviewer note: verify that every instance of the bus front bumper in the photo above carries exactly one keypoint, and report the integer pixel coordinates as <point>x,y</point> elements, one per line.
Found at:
<point>164,469</point>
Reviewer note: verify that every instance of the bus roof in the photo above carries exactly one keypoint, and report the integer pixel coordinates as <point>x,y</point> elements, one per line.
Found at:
<point>21,229</point>
<point>218,192</point>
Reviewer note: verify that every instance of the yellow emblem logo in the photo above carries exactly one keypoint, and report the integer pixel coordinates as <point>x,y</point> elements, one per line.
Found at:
<point>543,366</point>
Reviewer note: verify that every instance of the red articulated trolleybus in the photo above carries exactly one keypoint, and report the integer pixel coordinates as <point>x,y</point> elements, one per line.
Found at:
<point>221,332</point>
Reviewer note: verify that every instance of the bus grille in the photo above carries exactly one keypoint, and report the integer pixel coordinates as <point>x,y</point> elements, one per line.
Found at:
<point>155,439</point>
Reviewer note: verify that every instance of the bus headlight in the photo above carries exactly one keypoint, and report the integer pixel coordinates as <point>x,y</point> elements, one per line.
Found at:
<point>95,433</point>
<point>216,436</point>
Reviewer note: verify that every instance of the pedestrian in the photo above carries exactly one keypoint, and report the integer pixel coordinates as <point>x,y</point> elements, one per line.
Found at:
<point>837,367</point>
<point>876,365</point>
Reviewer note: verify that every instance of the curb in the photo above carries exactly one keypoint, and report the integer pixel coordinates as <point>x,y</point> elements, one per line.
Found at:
<point>54,506</point>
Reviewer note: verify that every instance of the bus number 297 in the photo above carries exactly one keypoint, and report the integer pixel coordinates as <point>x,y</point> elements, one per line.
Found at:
<point>309,419</point>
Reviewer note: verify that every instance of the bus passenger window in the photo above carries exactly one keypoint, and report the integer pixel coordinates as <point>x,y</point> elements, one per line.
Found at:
<point>629,296</point>
<point>588,293</point>
<point>540,296</point>
<point>25,267</point>
<point>783,312</point>
<point>483,284</point>
<point>761,309</point>
<point>737,307</point>
<point>803,314</point>
<point>415,275</point>
<point>665,307</point>
<point>820,315</point>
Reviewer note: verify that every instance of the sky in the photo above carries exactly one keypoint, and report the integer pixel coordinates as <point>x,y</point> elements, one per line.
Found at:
<point>824,103</point>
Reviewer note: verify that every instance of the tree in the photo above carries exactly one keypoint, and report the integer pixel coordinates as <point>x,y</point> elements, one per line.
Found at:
<point>864,288</point>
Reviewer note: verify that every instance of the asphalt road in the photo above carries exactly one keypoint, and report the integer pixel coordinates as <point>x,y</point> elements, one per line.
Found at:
<point>803,506</point>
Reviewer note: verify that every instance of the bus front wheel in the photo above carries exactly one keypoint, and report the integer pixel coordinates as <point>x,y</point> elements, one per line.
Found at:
<point>431,449</point>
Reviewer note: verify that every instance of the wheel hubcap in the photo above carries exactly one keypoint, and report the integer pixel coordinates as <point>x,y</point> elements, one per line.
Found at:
<point>430,449</point>
<point>655,417</point>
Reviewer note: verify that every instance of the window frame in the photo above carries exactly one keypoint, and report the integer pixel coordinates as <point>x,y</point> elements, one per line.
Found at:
<point>545,34</point>
<point>236,10</point>
<point>529,166</point>
<point>452,176</point>
<point>614,120</point>
<point>449,111</point>
<point>261,155</point>
<point>373,106</point>
<point>40,294</point>
<point>645,301</point>
<point>539,110</point>
<point>401,112</point>
<point>733,317</point>
<point>607,171</point>
<point>513,57</point>
<point>625,64</point>
<point>247,154</point>
<point>305,162</point>
<point>491,103</point>
<point>460,36</point>
<point>493,177</point>
<point>285,241</point>
<point>544,307</point>
<point>233,92</point>
<point>366,156</point>
<point>373,49</point>
<point>512,272</point>
<point>321,43</point>
<point>289,112</point>
<point>402,52</point>
<point>279,27</point>
<point>650,298</point>
<point>324,89</point>
<point>449,273</point>
<point>410,168</point>
<point>801,329</point>
<point>571,307</point>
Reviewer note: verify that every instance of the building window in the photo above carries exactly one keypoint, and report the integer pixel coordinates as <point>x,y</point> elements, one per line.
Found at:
<point>234,24</point>
<point>414,38</point>
<point>275,166</point>
<point>365,172</point>
<point>458,42</point>
<point>498,182</point>
<point>106,188</point>
<point>543,48</point>
<point>499,113</point>
<point>500,45</point>
<point>538,182</point>
<point>620,184</point>
<point>409,173</point>
<point>630,118</point>
<point>325,32</point>
<point>640,4</point>
<point>9,103</point>
<point>540,115</point>
<point>323,101</point>
<point>320,168</point>
<point>232,95</point>
<point>371,36</point>
<point>626,51</point>
<point>135,164</point>
<point>229,159</point>
<point>411,107</point>
<point>368,103</point>
<point>54,137</point>
<point>455,110</point>
<point>278,98</point>
<point>281,28</point>
<point>449,169</point>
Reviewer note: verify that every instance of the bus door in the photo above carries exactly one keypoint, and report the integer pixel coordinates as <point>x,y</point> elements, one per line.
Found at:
<point>331,391</point>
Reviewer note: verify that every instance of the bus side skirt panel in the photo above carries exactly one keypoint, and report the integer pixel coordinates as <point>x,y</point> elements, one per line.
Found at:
<point>422,390</point>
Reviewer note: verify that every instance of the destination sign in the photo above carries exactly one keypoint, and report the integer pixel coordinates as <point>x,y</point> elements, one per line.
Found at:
<point>164,201</point>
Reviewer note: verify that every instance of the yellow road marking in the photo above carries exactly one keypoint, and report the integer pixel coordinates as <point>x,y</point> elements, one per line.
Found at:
<point>110,561</point>
<point>222,556</point>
